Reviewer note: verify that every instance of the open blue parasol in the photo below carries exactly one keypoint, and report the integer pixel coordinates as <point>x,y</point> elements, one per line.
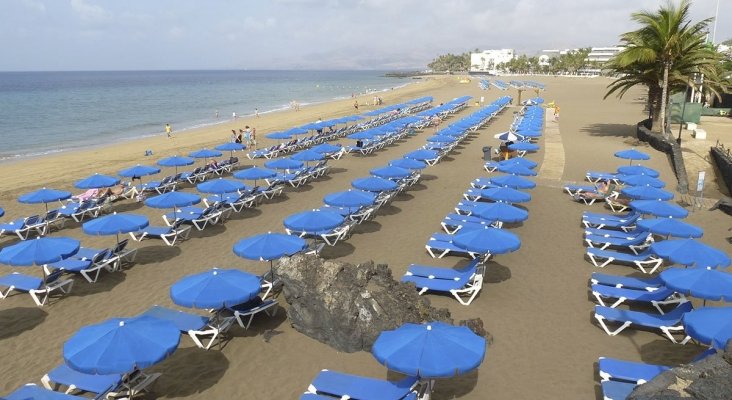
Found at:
<point>350,198</point>
<point>215,289</point>
<point>96,181</point>
<point>408,163</point>
<point>114,224</point>
<point>691,252</point>
<point>502,212</point>
<point>641,180</point>
<point>638,170</point>
<point>283,163</point>
<point>374,184</point>
<point>646,193</point>
<point>39,251</point>
<point>314,222</point>
<point>44,196</point>
<point>221,186</point>
<point>390,172</point>
<point>487,241</point>
<point>422,155</point>
<point>670,227</point>
<point>632,154</point>
<point>516,169</point>
<point>710,325</point>
<point>659,208</point>
<point>703,283</point>
<point>506,194</point>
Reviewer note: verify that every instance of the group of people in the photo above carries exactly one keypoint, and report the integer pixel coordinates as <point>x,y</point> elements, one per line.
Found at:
<point>246,136</point>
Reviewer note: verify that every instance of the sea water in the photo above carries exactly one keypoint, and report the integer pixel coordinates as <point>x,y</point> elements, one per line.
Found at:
<point>47,112</point>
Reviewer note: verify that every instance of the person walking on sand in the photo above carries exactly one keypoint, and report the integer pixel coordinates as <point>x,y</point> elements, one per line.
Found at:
<point>247,136</point>
<point>355,104</point>
<point>233,115</point>
<point>256,113</point>
<point>168,130</point>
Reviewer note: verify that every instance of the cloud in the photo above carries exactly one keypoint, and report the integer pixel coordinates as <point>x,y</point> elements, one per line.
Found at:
<point>89,12</point>
<point>35,5</point>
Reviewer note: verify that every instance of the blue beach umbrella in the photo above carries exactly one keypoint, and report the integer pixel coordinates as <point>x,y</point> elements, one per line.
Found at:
<point>278,135</point>
<point>2,212</point>
<point>255,173</point>
<point>646,193</point>
<point>326,148</point>
<point>659,208</point>
<point>526,133</point>
<point>96,181</point>
<point>205,154</point>
<point>422,155</point>
<point>524,162</point>
<point>296,131</point>
<point>487,241</point>
<point>691,252</point>
<point>215,289</point>
<point>173,200</point>
<point>114,224</point>
<point>523,146</point>
<point>175,161</point>
<point>368,134</point>
<point>138,171</point>
<point>307,155</point>
<point>506,195</point>
<point>632,154</point>
<point>512,181</point>
<point>231,147</point>
<point>502,212</point>
<point>408,163</point>
<point>268,247</point>
<point>641,180</point>
<point>39,251</point>
<point>638,170</point>
<point>391,172</point>
<point>221,186</point>
<point>710,325</point>
<point>44,196</point>
<point>431,350</point>
<point>441,139</point>
<point>350,198</point>
<point>283,163</point>
<point>702,283</point>
<point>315,221</point>
<point>121,345</point>
<point>374,184</point>
<point>670,227</point>
<point>516,169</point>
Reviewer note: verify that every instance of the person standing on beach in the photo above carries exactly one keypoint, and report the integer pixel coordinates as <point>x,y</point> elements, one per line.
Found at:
<point>256,113</point>
<point>355,104</point>
<point>233,115</point>
<point>217,114</point>
<point>168,130</point>
<point>254,137</point>
<point>247,136</point>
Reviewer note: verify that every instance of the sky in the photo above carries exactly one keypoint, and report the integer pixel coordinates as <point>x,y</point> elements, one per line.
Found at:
<point>62,35</point>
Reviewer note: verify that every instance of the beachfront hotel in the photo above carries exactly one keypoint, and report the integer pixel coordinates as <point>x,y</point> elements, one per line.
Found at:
<point>487,60</point>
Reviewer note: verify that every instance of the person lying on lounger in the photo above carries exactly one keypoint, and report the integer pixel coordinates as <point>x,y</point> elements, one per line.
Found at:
<point>112,193</point>
<point>212,165</point>
<point>604,189</point>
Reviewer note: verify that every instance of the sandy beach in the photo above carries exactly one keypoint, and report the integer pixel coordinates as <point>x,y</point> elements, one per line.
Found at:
<point>535,302</point>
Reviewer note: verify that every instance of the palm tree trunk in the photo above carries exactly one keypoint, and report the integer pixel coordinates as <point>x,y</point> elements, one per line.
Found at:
<point>664,97</point>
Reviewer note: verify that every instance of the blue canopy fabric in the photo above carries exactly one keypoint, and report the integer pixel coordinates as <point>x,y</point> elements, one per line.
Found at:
<point>283,163</point>
<point>659,208</point>
<point>641,180</point>
<point>647,193</point>
<point>441,139</point>
<point>516,169</point>
<point>670,227</point>
<point>408,163</point>
<point>296,131</point>
<point>255,173</point>
<point>215,289</point>
<point>422,155</point>
<point>40,251</point>
<point>44,195</point>
<point>307,155</point>
<point>278,135</point>
<point>523,146</point>
<point>638,170</point>
<point>313,221</point>
<point>512,181</point>
<point>520,161</point>
<point>691,252</point>
<point>205,153</point>
<point>114,224</point>
<point>703,283</point>
<point>632,154</point>
<point>325,148</point>
<point>368,134</point>
<point>2,212</point>
<point>487,240</point>
<point>173,199</point>
<point>230,146</point>
<point>121,345</point>
<point>220,186</point>
<point>175,161</point>
<point>710,325</point>
<point>432,350</point>
<point>390,172</point>
<point>374,184</point>
<point>503,212</point>
<point>138,171</point>
<point>506,194</point>
<point>96,181</point>
<point>350,198</point>
<point>269,246</point>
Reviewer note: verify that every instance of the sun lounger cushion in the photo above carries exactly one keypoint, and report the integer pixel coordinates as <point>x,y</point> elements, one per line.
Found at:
<point>63,375</point>
<point>629,371</point>
<point>626,281</point>
<point>358,387</point>
<point>34,392</point>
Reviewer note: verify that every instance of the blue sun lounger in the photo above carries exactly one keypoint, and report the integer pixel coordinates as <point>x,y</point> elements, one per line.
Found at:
<point>595,176</point>
<point>625,222</point>
<point>64,376</point>
<point>33,392</point>
<point>635,244</point>
<point>616,390</point>
<point>244,313</point>
<point>661,297</point>
<point>626,281</point>
<point>482,183</point>
<point>628,371</point>
<point>615,233</point>
<point>21,226</point>
<point>339,385</point>
<point>644,260</point>
<point>454,222</point>
<point>196,326</point>
<point>668,323</point>
<point>440,245</point>
<point>90,267</point>
<point>464,283</point>
<point>573,189</point>
<point>169,234</point>
<point>38,289</point>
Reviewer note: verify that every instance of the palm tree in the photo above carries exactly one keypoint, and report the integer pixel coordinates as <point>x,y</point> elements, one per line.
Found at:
<point>667,46</point>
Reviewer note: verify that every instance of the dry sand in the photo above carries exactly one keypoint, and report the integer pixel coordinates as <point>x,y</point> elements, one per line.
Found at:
<point>534,301</point>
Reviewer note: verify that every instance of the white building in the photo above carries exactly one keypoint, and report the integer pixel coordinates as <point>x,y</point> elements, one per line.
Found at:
<point>599,54</point>
<point>487,60</point>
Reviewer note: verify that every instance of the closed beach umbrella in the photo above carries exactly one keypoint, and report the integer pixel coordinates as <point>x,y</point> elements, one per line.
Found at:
<point>39,251</point>
<point>215,289</point>
<point>44,196</point>
<point>221,186</point>
<point>430,350</point>
<point>283,163</point>
<point>121,345</point>
<point>269,246</point>
<point>391,172</point>
<point>114,224</point>
<point>512,181</point>
<point>506,194</point>
<point>641,180</point>
<point>691,252</point>
<point>710,325</point>
<point>516,169</point>
<point>422,155</point>
<point>646,193</point>
<point>314,222</point>
<point>670,227</point>
<point>96,181</point>
<point>487,241</point>
<point>632,154</point>
<point>374,184</point>
<point>702,283</point>
<point>408,163</point>
<point>255,173</point>
<point>659,208</point>
<point>502,212</point>
<point>350,198</point>
<point>175,161</point>
<point>523,146</point>
<point>525,162</point>
<point>638,170</point>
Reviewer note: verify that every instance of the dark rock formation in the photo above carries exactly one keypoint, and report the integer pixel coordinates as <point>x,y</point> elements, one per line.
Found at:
<point>346,306</point>
<point>708,379</point>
